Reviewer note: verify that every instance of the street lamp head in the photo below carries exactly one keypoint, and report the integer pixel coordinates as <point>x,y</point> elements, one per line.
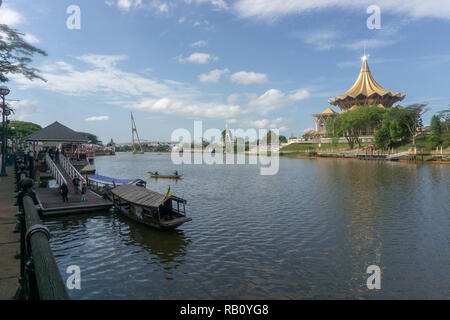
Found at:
<point>4,91</point>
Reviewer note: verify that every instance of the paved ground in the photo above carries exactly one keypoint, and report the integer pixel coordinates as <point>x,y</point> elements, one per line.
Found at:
<point>9,241</point>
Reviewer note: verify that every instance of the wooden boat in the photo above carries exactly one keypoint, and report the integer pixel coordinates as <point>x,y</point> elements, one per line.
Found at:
<point>149,207</point>
<point>161,176</point>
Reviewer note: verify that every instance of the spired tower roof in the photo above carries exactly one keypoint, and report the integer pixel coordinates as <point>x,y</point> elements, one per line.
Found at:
<point>366,91</point>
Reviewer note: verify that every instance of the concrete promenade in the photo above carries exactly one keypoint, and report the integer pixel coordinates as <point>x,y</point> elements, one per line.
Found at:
<point>9,241</point>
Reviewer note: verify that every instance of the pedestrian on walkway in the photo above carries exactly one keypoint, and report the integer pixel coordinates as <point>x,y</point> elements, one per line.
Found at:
<point>83,193</point>
<point>64,192</point>
<point>76,184</point>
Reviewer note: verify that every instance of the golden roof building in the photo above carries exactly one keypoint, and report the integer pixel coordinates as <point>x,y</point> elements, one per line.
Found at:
<point>366,92</point>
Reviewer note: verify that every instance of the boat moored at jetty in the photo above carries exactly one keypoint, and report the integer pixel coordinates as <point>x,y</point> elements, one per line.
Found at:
<point>149,207</point>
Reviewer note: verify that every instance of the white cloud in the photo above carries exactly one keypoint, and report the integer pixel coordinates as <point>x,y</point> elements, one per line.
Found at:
<point>10,17</point>
<point>24,109</point>
<point>275,99</point>
<point>218,4</point>
<point>213,76</point>
<point>244,77</point>
<point>278,123</point>
<point>198,58</point>
<point>200,43</point>
<point>274,9</point>
<point>368,44</point>
<point>181,20</point>
<point>178,107</point>
<point>100,76</point>
<point>28,37</point>
<point>321,39</point>
<point>97,118</point>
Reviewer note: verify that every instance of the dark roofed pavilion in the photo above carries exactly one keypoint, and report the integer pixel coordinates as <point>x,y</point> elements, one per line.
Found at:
<point>56,132</point>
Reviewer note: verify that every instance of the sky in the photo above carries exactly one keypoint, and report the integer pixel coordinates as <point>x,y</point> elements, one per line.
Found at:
<point>265,64</point>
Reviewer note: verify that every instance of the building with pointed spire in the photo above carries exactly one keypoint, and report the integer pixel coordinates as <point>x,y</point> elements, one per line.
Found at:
<point>364,92</point>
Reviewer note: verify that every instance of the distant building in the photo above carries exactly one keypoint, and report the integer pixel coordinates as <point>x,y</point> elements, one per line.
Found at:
<point>365,92</point>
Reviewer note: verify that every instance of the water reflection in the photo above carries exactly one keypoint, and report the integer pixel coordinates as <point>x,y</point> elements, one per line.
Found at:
<point>309,232</point>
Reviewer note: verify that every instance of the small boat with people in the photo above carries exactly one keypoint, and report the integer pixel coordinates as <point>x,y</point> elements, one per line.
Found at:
<point>156,175</point>
<point>149,207</point>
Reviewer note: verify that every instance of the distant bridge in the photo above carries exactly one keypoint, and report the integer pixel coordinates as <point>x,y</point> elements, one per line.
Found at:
<point>152,143</point>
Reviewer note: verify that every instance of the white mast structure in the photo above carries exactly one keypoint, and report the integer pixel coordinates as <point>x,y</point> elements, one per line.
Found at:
<point>133,131</point>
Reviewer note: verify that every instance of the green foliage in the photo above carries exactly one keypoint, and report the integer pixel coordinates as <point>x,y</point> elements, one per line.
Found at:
<point>22,129</point>
<point>436,131</point>
<point>282,139</point>
<point>351,124</point>
<point>382,137</point>
<point>92,137</point>
<point>15,55</point>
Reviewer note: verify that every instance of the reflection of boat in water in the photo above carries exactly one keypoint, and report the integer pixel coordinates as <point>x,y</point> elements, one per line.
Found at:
<point>169,247</point>
<point>162,176</point>
<point>149,207</point>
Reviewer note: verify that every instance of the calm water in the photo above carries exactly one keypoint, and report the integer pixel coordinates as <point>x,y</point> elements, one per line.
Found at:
<point>309,232</point>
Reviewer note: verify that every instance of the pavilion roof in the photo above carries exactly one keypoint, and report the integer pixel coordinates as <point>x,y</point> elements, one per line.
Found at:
<point>366,86</point>
<point>58,133</point>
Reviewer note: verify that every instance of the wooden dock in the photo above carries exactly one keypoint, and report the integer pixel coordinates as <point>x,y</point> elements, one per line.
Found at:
<point>50,202</point>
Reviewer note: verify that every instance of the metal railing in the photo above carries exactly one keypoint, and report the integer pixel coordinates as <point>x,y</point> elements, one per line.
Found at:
<point>71,170</point>
<point>60,180</point>
<point>40,278</point>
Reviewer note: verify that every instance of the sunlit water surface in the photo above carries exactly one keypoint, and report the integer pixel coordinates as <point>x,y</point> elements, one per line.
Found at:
<point>308,232</point>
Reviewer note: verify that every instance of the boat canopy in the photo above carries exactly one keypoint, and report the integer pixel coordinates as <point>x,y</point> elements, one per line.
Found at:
<point>108,180</point>
<point>142,196</point>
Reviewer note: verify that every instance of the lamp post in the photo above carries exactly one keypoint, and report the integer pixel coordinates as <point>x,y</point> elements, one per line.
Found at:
<point>4,91</point>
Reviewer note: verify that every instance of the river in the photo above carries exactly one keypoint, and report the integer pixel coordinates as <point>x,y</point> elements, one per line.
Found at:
<point>309,232</point>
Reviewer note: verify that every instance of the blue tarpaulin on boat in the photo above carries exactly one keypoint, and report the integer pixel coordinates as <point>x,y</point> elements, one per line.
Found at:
<point>108,180</point>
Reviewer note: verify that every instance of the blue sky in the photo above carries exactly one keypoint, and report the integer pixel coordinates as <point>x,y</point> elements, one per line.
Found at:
<point>256,63</point>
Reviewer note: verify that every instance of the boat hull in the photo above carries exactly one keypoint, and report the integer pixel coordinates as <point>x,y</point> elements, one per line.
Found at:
<point>161,225</point>
<point>160,176</point>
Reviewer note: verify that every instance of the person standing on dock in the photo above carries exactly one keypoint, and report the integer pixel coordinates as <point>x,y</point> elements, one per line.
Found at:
<point>57,155</point>
<point>83,193</point>
<point>76,184</point>
<point>64,192</point>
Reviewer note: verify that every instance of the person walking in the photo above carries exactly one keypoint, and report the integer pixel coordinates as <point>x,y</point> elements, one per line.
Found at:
<point>83,193</point>
<point>76,184</point>
<point>64,192</point>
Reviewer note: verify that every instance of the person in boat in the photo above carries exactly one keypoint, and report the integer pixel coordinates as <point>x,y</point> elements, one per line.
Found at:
<point>64,192</point>
<point>176,172</point>
<point>156,173</point>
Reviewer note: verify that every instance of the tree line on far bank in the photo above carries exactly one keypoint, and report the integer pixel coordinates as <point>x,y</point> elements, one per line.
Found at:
<point>394,126</point>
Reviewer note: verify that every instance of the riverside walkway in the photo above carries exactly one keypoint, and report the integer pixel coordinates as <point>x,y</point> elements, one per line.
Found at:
<point>9,241</point>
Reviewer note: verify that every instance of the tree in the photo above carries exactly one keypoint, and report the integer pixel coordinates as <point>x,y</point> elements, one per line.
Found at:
<point>22,129</point>
<point>353,123</point>
<point>92,137</point>
<point>282,139</point>
<point>444,116</point>
<point>15,55</point>
<point>412,119</point>
<point>267,139</point>
<point>436,131</point>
